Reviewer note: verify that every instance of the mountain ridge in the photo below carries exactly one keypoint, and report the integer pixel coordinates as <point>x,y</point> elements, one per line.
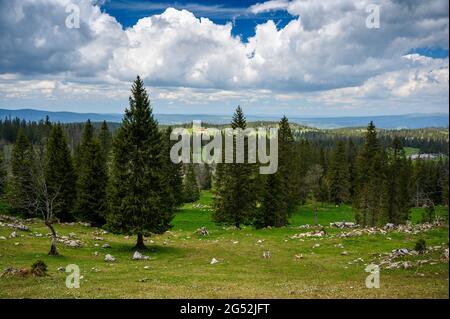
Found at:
<point>413,120</point>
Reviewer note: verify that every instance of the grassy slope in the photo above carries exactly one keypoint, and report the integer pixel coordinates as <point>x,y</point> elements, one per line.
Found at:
<point>180,262</point>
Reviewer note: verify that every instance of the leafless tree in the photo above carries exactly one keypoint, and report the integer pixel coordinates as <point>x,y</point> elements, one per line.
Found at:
<point>39,198</point>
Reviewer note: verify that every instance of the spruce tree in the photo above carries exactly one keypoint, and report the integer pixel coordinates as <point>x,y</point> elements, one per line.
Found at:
<point>139,192</point>
<point>191,191</point>
<point>273,210</point>
<point>338,175</point>
<point>21,182</point>
<point>398,199</point>
<point>60,174</point>
<point>105,140</point>
<point>371,180</point>
<point>235,197</point>
<point>174,172</point>
<point>92,179</point>
<point>3,175</point>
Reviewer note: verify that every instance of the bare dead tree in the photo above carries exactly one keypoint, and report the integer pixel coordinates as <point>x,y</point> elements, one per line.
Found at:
<point>39,198</point>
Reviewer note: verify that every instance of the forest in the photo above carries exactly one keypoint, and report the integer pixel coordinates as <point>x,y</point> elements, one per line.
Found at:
<point>122,179</point>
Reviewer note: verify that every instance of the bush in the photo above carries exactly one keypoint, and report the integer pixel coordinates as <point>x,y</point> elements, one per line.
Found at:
<point>39,268</point>
<point>421,246</point>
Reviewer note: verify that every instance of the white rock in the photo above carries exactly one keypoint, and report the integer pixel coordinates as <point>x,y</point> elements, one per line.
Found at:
<point>214,261</point>
<point>13,234</point>
<point>344,253</point>
<point>106,246</point>
<point>109,258</point>
<point>266,254</point>
<point>2,237</point>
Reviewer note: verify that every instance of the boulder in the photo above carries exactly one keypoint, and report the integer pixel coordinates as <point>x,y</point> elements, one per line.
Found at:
<point>110,258</point>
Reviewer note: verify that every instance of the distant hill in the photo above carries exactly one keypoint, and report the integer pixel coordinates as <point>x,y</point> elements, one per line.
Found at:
<point>411,121</point>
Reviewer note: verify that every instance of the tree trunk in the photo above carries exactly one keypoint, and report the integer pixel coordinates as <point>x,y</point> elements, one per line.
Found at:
<point>53,251</point>
<point>140,242</point>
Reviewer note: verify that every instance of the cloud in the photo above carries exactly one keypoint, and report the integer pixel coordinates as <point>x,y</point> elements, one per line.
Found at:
<point>325,53</point>
<point>273,5</point>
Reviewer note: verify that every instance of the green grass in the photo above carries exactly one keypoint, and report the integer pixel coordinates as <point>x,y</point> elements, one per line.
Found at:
<point>180,262</point>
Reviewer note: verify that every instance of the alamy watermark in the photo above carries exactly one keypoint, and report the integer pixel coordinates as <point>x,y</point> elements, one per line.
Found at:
<point>237,141</point>
<point>373,279</point>
<point>373,19</point>
<point>73,278</point>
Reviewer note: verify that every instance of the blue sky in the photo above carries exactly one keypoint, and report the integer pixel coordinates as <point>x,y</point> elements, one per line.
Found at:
<point>128,12</point>
<point>294,57</point>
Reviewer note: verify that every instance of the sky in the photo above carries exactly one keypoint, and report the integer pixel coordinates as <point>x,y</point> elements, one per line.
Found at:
<point>293,57</point>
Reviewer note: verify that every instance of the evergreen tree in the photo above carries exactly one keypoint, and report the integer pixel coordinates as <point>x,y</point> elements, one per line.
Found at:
<point>286,166</point>
<point>60,174</point>
<point>105,140</point>
<point>338,175</point>
<point>191,191</point>
<point>140,199</point>
<point>235,196</point>
<point>398,200</point>
<point>92,179</point>
<point>21,182</point>
<point>273,210</point>
<point>351,160</point>
<point>3,175</point>
<point>371,163</point>
<point>174,172</point>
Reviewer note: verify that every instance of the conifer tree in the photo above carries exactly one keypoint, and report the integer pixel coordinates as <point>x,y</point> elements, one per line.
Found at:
<point>273,210</point>
<point>92,179</point>
<point>398,199</point>
<point>191,191</point>
<point>105,140</point>
<point>174,172</point>
<point>21,182</point>
<point>60,174</point>
<point>338,175</point>
<point>3,175</point>
<point>235,196</point>
<point>139,196</point>
<point>371,164</point>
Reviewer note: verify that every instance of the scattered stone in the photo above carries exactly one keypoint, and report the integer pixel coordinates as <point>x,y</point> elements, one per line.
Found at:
<point>2,238</point>
<point>143,280</point>
<point>13,235</point>
<point>96,253</point>
<point>110,258</point>
<point>73,243</point>
<point>61,269</point>
<point>214,261</point>
<point>260,241</point>
<point>138,256</point>
<point>266,254</point>
<point>235,242</point>
<point>316,246</point>
<point>203,231</point>
<point>72,235</point>
<point>106,246</point>
<point>146,267</point>
<point>339,246</point>
<point>344,253</point>
<point>316,233</point>
<point>299,256</point>
<point>99,238</point>
<point>445,255</point>
<point>389,226</point>
<point>17,244</point>
<point>342,225</point>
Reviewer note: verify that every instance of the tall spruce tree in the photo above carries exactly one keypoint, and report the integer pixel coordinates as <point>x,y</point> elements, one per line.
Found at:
<point>273,210</point>
<point>371,180</point>
<point>92,179</point>
<point>398,199</point>
<point>105,138</point>
<point>338,175</point>
<point>21,182</point>
<point>139,196</point>
<point>3,175</point>
<point>174,171</point>
<point>235,196</point>
<point>60,174</point>
<point>191,191</point>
